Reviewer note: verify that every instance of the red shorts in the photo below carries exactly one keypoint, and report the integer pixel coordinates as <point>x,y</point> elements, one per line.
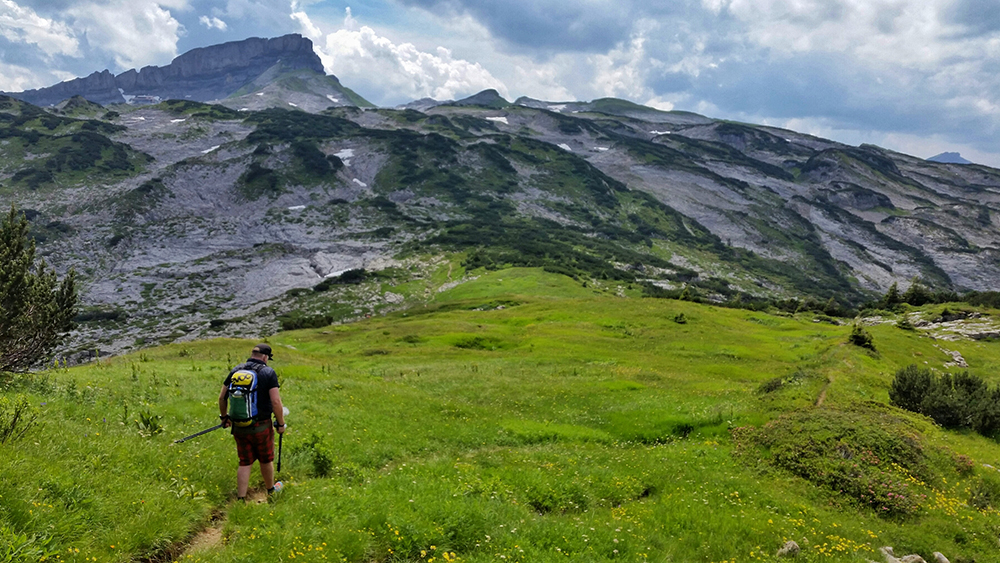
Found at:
<point>258,446</point>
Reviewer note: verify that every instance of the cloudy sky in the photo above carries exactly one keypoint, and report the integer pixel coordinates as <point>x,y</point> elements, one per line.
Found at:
<point>917,76</point>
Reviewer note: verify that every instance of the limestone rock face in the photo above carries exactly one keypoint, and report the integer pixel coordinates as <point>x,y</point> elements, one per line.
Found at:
<point>203,74</point>
<point>99,87</point>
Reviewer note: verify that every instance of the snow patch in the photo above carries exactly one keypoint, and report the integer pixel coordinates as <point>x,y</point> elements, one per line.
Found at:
<point>244,109</point>
<point>332,99</point>
<point>293,105</point>
<point>345,156</point>
<point>178,120</point>
<point>206,151</point>
<point>297,208</point>
<point>602,149</point>
<point>565,147</point>
<point>557,107</point>
<point>498,120</point>
<point>360,183</point>
<point>659,132</point>
<point>260,93</point>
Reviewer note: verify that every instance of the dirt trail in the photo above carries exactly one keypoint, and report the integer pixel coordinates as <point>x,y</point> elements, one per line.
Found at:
<point>822,393</point>
<point>829,381</point>
<point>211,537</point>
<point>207,539</point>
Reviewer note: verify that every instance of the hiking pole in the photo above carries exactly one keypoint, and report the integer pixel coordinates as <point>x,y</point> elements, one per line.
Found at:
<point>205,431</point>
<point>280,436</point>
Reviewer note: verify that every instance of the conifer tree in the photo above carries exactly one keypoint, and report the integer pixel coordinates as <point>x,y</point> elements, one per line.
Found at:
<point>36,309</point>
<point>891,297</point>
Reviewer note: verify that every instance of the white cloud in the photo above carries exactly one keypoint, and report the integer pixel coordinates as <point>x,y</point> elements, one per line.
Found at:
<point>399,72</point>
<point>659,103</point>
<point>15,78</point>
<point>625,71</point>
<point>912,56</point>
<point>22,25</point>
<point>136,33</point>
<point>308,28</point>
<point>622,72</point>
<point>213,23</point>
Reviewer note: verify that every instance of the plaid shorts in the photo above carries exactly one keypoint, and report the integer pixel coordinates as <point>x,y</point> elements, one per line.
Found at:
<point>258,446</point>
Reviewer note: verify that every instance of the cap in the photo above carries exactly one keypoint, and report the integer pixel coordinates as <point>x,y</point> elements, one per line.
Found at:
<point>264,349</point>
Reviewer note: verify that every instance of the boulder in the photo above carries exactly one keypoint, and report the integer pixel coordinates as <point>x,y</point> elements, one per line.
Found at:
<point>790,549</point>
<point>890,557</point>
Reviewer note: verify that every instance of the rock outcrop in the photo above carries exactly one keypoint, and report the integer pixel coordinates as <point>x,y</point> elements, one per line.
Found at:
<point>204,74</point>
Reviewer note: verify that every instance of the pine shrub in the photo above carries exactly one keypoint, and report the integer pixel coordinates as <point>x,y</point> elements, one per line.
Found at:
<point>961,400</point>
<point>861,337</point>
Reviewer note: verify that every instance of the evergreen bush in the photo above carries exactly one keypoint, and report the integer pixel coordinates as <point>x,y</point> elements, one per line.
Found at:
<point>961,400</point>
<point>909,387</point>
<point>36,309</point>
<point>861,337</point>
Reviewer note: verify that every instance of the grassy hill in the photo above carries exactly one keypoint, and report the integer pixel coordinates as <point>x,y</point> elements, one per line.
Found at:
<point>517,417</point>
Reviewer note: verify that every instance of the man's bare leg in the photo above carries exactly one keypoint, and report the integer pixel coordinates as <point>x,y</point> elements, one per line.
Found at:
<point>243,479</point>
<point>267,472</point>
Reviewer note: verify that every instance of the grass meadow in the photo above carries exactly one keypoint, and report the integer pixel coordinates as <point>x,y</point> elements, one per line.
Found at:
<point>517,417</point>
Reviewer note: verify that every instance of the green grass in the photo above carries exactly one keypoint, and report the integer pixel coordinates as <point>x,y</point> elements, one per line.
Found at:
<point>566,425</point>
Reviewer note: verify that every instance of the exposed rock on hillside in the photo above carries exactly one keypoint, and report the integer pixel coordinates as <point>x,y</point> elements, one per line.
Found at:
<point>186,219</point>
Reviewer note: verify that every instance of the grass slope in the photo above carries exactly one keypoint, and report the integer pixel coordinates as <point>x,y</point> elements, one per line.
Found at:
<point>517,417</point>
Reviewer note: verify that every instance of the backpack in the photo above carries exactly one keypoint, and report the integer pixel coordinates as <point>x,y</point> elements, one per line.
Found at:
<point>243,397</point>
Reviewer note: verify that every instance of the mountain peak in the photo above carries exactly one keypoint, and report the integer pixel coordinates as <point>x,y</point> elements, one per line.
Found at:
<point>487,98</point>
<point>949,158</point>
<point>202,74</point>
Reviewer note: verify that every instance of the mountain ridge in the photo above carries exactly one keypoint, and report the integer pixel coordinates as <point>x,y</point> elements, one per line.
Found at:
<point>287,172</point>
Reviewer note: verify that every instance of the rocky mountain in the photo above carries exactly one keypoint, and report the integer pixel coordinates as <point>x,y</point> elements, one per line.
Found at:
<point>187,219</point>
<point>204,74</point>
<point>950,158</point>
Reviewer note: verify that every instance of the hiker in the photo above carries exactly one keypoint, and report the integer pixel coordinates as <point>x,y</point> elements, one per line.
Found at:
<point>249,396</point>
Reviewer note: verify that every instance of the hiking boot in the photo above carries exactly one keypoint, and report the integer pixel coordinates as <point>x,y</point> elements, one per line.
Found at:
<point>277,488</point>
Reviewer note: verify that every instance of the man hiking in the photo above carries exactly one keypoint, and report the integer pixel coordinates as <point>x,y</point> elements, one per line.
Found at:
<point>249,396</point>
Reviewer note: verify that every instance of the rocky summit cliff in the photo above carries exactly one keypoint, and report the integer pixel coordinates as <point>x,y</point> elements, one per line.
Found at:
<point>204,74</point>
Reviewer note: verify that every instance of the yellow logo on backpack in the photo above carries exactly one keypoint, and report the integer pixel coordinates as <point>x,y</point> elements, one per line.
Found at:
<point>243,378</point>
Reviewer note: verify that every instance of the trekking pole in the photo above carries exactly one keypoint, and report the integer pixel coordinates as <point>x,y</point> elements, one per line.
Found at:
<point>280,436</point>
<point>196,434</point>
